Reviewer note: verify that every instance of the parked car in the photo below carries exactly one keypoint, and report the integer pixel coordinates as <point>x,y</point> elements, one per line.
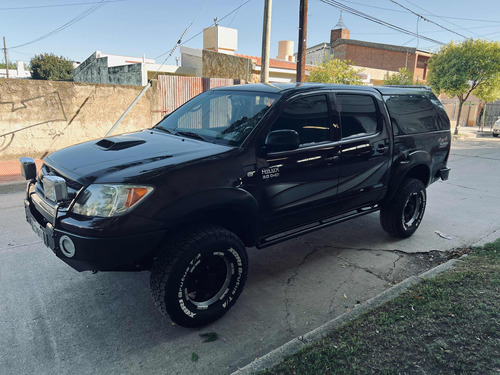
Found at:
<point>495,130</point>
<point>236,167</point>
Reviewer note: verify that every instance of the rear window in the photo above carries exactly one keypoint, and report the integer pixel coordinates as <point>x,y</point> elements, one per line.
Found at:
<point>358,115</point>
<point>411,114</point>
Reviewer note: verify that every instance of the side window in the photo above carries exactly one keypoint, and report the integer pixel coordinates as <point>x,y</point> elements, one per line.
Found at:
<point>358,115</point>
<point>308,116</point>
<point>412,114</point>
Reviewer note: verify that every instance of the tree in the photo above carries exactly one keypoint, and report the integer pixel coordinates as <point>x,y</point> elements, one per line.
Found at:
<point>403,77</point>
<point>489,92</point>
<point>335,71</point>
<point>11,65</point>
<point>51,67</point>
<point>457,69</point>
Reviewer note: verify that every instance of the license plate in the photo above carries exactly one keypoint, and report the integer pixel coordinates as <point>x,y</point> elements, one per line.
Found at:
<point>37,229</point>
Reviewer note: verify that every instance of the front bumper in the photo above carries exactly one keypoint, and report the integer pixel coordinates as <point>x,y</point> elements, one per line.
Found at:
<point>119,253</point>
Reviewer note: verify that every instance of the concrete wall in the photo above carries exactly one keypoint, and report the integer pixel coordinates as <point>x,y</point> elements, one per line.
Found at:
<point>318,54</point>
<point>38,117</point>
<point>97,70</point>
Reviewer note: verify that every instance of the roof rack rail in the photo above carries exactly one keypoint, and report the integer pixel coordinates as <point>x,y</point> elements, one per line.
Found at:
<point>409,86</point>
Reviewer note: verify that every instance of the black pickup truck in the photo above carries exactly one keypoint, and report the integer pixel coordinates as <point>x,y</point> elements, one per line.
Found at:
<point>236,167</point>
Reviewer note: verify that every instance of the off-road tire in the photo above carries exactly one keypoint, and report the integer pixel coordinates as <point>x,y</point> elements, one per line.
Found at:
<point>402,215</point>
<point>198,275</point>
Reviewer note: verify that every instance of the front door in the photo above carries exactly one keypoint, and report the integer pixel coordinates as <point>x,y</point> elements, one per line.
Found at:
<point>298,186</point>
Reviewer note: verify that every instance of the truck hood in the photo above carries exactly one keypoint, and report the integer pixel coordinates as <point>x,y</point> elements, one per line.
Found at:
<point>125,157</point>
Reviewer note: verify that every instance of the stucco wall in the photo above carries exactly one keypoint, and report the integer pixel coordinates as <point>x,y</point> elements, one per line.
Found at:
<point>38,117</point>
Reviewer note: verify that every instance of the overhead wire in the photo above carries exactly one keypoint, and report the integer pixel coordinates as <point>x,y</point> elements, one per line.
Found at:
<point>218,20</point>
<point>358,13</point>
<point>424,14</point>
<point>451,23</point>
<point>426,19</point>
<point>86,13</point>
<point>55,5</point>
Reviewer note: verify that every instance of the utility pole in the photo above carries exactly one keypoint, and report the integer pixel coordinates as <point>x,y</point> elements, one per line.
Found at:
<point>6,59</point>
<point>266,39</point>
<point>301,54</point>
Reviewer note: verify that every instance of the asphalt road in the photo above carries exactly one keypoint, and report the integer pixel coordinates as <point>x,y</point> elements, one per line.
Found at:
<point>54,320</point>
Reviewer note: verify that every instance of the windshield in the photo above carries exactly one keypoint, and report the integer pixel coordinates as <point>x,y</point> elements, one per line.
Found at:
<point>224,117</point>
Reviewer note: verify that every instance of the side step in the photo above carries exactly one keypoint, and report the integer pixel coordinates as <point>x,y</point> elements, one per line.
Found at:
<point>277,238</point>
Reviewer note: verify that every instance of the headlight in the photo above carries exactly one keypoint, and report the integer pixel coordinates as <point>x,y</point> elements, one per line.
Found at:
<point>110,200</point>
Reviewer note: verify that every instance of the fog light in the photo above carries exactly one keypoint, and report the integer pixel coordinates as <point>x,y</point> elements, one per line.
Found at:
<point>54,188</point>
<point>67,246</point>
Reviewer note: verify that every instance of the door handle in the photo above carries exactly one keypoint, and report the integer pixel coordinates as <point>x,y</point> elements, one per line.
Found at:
<point>331,159</point>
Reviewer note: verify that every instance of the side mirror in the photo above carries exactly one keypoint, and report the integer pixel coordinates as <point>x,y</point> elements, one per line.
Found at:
<point>282,140</point>
<point>28,168</point>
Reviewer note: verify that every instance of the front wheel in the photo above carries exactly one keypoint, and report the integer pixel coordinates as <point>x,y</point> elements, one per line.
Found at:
<point>402,215</point>
<point>199,275</point>
<point>495,134</point>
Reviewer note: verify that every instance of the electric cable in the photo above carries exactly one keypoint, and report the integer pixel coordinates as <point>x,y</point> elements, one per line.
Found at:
<point>428,20</point>
<point>89,11</point>
<point>55,5</point>
<point>358,13</point>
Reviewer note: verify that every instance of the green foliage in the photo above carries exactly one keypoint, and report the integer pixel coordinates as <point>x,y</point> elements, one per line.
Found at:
<point>403,77</point>
<point>51,67</point>
<point>11,65</point>
<point>457,69</point>
<point>490,90</point>
<point>335,71</point>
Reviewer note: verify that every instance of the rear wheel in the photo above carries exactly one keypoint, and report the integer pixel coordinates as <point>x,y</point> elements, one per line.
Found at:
<point>495,134</point>
<point>402,215</point>
<point>199,275</point>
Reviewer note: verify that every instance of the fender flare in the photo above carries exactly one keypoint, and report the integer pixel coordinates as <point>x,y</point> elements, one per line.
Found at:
<point>419,161</point>
<point>243,207</point>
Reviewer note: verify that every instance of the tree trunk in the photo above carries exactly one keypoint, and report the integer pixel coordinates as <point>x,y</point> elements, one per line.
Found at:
<point>460,103</point>
<point>484,117</point>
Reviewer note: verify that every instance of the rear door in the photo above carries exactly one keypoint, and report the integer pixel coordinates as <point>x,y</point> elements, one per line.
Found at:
<point>365,150</point>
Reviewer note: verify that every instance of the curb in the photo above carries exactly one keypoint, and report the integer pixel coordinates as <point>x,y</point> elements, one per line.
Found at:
<point>277,355</point>
<point>13,187</point>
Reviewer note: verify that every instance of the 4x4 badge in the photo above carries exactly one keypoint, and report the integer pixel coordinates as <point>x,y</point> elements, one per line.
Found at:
<point>270,172</point>
<point>443,142</point>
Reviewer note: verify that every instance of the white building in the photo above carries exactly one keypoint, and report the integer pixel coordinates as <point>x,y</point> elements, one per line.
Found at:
<point>19,72</point>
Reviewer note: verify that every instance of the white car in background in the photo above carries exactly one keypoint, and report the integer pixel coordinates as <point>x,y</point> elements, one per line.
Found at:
<point>496,128</point>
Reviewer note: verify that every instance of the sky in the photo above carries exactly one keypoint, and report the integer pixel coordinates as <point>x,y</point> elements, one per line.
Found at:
<point>75,29</point>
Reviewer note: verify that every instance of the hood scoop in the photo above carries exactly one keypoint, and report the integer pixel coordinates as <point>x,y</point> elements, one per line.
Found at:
<point>118,144</point>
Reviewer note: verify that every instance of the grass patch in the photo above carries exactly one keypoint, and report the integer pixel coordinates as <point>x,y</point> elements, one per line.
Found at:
<point>447,325</point>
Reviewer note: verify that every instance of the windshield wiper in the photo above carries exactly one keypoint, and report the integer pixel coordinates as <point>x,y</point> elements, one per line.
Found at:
<point>193,135</point>
<point>166,130</point>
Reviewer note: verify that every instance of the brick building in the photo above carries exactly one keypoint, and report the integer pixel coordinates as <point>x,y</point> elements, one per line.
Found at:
<point>374,59</point>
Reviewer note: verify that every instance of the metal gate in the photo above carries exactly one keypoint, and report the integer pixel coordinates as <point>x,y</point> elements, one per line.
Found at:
<point>492,111</point>
<point>176,90</point>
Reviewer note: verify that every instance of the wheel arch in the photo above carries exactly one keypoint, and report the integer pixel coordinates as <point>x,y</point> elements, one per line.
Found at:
<point>418,169</point>
<point>231,208</point>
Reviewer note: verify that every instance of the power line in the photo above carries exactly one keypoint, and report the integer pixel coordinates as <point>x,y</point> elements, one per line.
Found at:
<point>424,14</point>
<point>55,5</point>
<point>218,20</point>
<point>358,13</point>
<point>89,11</point>
<point>426,19</point>
<point>451,23</point>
